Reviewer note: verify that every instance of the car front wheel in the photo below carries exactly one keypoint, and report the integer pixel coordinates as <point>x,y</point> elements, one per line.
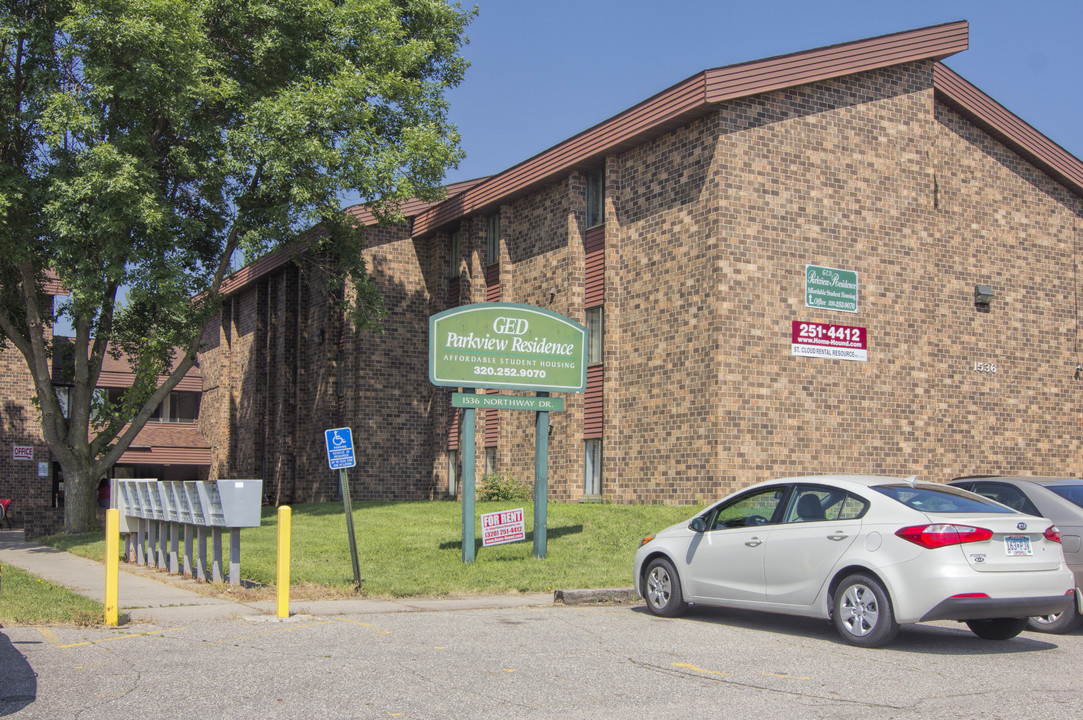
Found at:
<point>862,612</point>
<point>1058,623</point>
<point>662,589</point>
<point>997,628</point>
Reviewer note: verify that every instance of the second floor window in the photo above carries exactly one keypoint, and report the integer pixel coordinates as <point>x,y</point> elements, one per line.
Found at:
<point>179,407</point>
<point>492,247</point>
<point>455,255</point>
<point>595,198</point>
<point>595,332</point>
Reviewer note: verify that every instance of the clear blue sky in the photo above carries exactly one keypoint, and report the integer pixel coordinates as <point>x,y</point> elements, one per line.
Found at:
<point>543,71</point>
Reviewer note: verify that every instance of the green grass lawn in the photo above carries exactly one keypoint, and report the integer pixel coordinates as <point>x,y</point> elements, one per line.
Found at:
<point>414,548</point>
<point>26,599</point>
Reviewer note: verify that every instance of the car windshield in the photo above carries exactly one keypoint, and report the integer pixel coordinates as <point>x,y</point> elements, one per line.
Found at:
<point>940,499</point>
<point>1071,493</point>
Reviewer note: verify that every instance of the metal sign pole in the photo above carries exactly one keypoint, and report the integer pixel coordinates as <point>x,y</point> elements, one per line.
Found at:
<point>541,479</point>
<point>468,482</point>
<point>344,483</point>
<point>340,456</point>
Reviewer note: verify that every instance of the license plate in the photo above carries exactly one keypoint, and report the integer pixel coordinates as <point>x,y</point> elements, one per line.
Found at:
<point>1018,545</point>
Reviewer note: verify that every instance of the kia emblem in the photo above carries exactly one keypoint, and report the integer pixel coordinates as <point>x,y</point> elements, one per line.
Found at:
<point>1022,526</point>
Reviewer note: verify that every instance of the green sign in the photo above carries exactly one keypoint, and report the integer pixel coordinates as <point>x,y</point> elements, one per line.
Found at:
<point>507,402</point>
<point>507,345</point>
<point>830,288</point>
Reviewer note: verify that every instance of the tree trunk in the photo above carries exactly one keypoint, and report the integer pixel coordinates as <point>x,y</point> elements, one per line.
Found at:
<point>80,501</point>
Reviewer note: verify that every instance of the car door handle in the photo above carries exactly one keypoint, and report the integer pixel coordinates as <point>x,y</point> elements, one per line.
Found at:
<point>754,542</point>
<point>838,536</point>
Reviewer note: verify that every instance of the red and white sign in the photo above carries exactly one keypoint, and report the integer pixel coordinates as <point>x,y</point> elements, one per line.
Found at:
<point>21,452</point>
<point>502,527</point>
<point>823,340</point>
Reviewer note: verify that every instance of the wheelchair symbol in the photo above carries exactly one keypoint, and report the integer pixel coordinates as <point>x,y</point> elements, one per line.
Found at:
<point>338,440</point>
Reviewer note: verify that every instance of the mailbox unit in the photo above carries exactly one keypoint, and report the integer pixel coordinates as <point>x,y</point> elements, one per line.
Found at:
<point>152,510</point>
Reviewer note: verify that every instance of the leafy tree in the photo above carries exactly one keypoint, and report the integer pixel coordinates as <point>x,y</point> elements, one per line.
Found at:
<point>145,144</point>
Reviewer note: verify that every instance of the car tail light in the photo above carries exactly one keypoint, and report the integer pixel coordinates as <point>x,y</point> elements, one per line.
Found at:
<point>1052,534</point>
<point>935,536</point>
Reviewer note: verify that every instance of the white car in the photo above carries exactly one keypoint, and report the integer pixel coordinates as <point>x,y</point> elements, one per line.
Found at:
<point>871,553</point>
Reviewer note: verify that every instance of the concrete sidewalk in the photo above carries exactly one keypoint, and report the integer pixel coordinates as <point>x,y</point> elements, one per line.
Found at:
<point>148,596</point>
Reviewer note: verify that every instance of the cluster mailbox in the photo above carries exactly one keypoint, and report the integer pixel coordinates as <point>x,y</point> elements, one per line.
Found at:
<point>151,508</point>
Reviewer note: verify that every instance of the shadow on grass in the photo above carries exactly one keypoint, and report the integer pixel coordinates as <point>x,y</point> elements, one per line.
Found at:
<point>551,534</point>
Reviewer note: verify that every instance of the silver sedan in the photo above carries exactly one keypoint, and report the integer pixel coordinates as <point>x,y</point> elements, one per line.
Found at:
<point>1061,500</point>
<point>870,553</point>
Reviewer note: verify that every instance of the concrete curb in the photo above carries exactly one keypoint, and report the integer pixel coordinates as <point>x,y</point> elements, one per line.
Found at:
<point>597,597</point>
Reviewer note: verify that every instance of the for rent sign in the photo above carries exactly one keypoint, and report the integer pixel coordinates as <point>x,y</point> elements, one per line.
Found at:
<point>502,527</point>
<point>506,345</point>
<point>836,342</point>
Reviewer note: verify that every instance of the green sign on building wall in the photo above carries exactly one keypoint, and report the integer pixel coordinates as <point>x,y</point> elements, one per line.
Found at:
<point>507,345</point>
<point>830,288</point>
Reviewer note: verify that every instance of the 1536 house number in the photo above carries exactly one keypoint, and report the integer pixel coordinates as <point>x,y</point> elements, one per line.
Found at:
<point>985,367</point>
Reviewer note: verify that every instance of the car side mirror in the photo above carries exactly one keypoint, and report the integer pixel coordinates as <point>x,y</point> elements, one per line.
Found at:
<point>698,524</point>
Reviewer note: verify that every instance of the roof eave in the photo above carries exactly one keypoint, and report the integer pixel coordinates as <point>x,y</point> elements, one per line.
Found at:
<point>694,97</point>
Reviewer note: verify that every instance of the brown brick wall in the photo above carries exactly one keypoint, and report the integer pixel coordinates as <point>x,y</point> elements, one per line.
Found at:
<point>20,425</point>
<point>708,231</point>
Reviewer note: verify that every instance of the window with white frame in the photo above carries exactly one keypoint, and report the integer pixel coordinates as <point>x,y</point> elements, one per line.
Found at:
<point>592,467</point>
<point>492,246</point>
<point>595,330</point>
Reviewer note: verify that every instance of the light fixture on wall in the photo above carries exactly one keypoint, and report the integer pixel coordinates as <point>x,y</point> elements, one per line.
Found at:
<point>983,295</point>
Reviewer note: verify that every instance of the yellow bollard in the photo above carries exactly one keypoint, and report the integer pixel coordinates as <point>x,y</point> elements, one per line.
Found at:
<point>283,562</point>
<point>112,564</point>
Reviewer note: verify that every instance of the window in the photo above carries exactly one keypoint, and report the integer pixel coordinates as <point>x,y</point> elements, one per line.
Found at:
<point>490,460</point>
<point>809,504</point>
<point>748,510</point>
<point>1008,495</point>
<point>452,473</point>
<point>454,255</point>
<point>63,398</point>
<point>595,198</point>
<point>1071,493</point>
<point>940,499</point>
<point>595,332</point>
<point>492,247</point>
<point>178,407</point>
<point>592,468</point>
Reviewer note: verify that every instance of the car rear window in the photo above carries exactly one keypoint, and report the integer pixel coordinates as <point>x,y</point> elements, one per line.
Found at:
<point>940,499</point>
<point>1071,493</point>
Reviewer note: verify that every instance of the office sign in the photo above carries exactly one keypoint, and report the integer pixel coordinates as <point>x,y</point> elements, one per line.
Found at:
<point>22,452</point>
<point>834,342</point>
<point>506,345</point>
<point>830,288</point>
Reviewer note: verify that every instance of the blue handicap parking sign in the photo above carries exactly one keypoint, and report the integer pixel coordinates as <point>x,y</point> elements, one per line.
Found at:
<point>339,448</point>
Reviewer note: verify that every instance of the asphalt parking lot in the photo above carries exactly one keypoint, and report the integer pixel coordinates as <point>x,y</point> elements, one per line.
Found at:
<point>538,661</point>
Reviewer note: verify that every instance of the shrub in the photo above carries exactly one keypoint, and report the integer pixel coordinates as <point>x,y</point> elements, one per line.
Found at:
<point>504,486</point>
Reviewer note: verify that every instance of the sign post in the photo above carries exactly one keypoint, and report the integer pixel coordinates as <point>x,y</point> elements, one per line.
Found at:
<point>468,483</point>
<point>514,347</point>
<point>340,456</point>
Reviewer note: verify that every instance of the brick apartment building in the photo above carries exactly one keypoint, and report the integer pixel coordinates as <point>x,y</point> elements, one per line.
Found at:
<point>680,232</point>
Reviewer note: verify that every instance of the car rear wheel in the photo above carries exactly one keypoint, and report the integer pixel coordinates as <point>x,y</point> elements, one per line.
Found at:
<point>862,612</point>
<point>662,589</point>
<point>1058,623</point>
<point>997,628</point>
